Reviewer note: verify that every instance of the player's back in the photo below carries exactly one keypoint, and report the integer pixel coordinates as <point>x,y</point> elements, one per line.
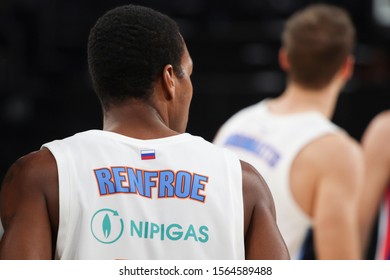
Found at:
<point>178,197</point>
<point>271,142</point>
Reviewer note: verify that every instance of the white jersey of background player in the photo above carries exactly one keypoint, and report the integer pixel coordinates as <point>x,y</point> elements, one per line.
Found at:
<point>314,170</point>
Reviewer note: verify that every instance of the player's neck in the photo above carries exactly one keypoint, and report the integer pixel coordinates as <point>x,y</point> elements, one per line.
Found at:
<point>136,119</point>
<point>297,99</point>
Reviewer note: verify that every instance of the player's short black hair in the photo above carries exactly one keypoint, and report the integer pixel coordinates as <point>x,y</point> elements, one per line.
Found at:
<point>128,48</point>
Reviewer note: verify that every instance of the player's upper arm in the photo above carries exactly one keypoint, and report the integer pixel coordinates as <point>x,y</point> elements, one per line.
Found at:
<point>262,237</point>
<point>340,167</point>
<point>376,151</point>
<point>29,207</point>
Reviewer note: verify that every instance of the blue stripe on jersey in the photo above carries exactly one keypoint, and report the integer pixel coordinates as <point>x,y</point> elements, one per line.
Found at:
<point>261,149</point>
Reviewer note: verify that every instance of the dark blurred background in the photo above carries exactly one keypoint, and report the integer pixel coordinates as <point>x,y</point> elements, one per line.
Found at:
<point>46,94</point>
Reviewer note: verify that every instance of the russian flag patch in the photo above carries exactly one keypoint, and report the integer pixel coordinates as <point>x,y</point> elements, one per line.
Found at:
<point>148,154</point>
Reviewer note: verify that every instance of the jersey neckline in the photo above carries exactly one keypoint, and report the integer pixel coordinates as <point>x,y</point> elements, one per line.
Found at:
<point>171,139</point>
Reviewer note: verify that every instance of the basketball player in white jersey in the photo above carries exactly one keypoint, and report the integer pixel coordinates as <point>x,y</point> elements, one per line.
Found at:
<point>376,191</point>
<point>141,188</point>
<point>313,168</point>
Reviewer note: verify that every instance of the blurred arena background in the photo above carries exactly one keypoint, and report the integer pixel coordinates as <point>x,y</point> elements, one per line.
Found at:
<point>46,94</point>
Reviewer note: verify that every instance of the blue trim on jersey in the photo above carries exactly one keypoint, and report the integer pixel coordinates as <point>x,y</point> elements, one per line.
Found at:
<point>261,149</point>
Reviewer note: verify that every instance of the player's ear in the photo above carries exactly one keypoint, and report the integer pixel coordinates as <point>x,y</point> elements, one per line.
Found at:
<point>168,81</point>
<point>347,67</point>
<point>283,60</point>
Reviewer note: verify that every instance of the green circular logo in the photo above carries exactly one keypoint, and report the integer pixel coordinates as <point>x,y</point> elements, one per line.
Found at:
<point>106,226</point>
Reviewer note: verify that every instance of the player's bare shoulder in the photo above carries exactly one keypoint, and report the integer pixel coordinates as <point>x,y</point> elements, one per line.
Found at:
<point>261,230</point>
<point>254,185</point>
<point>333,151</point>
<point>382,121</point>
<point>255,189</point>
<point>378,131</point>
<point>33,173</point>
<point>36,166</point>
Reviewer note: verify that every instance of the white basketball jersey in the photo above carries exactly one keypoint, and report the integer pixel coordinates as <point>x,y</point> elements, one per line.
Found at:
<point>270,143</point>
<point>178,197</point>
